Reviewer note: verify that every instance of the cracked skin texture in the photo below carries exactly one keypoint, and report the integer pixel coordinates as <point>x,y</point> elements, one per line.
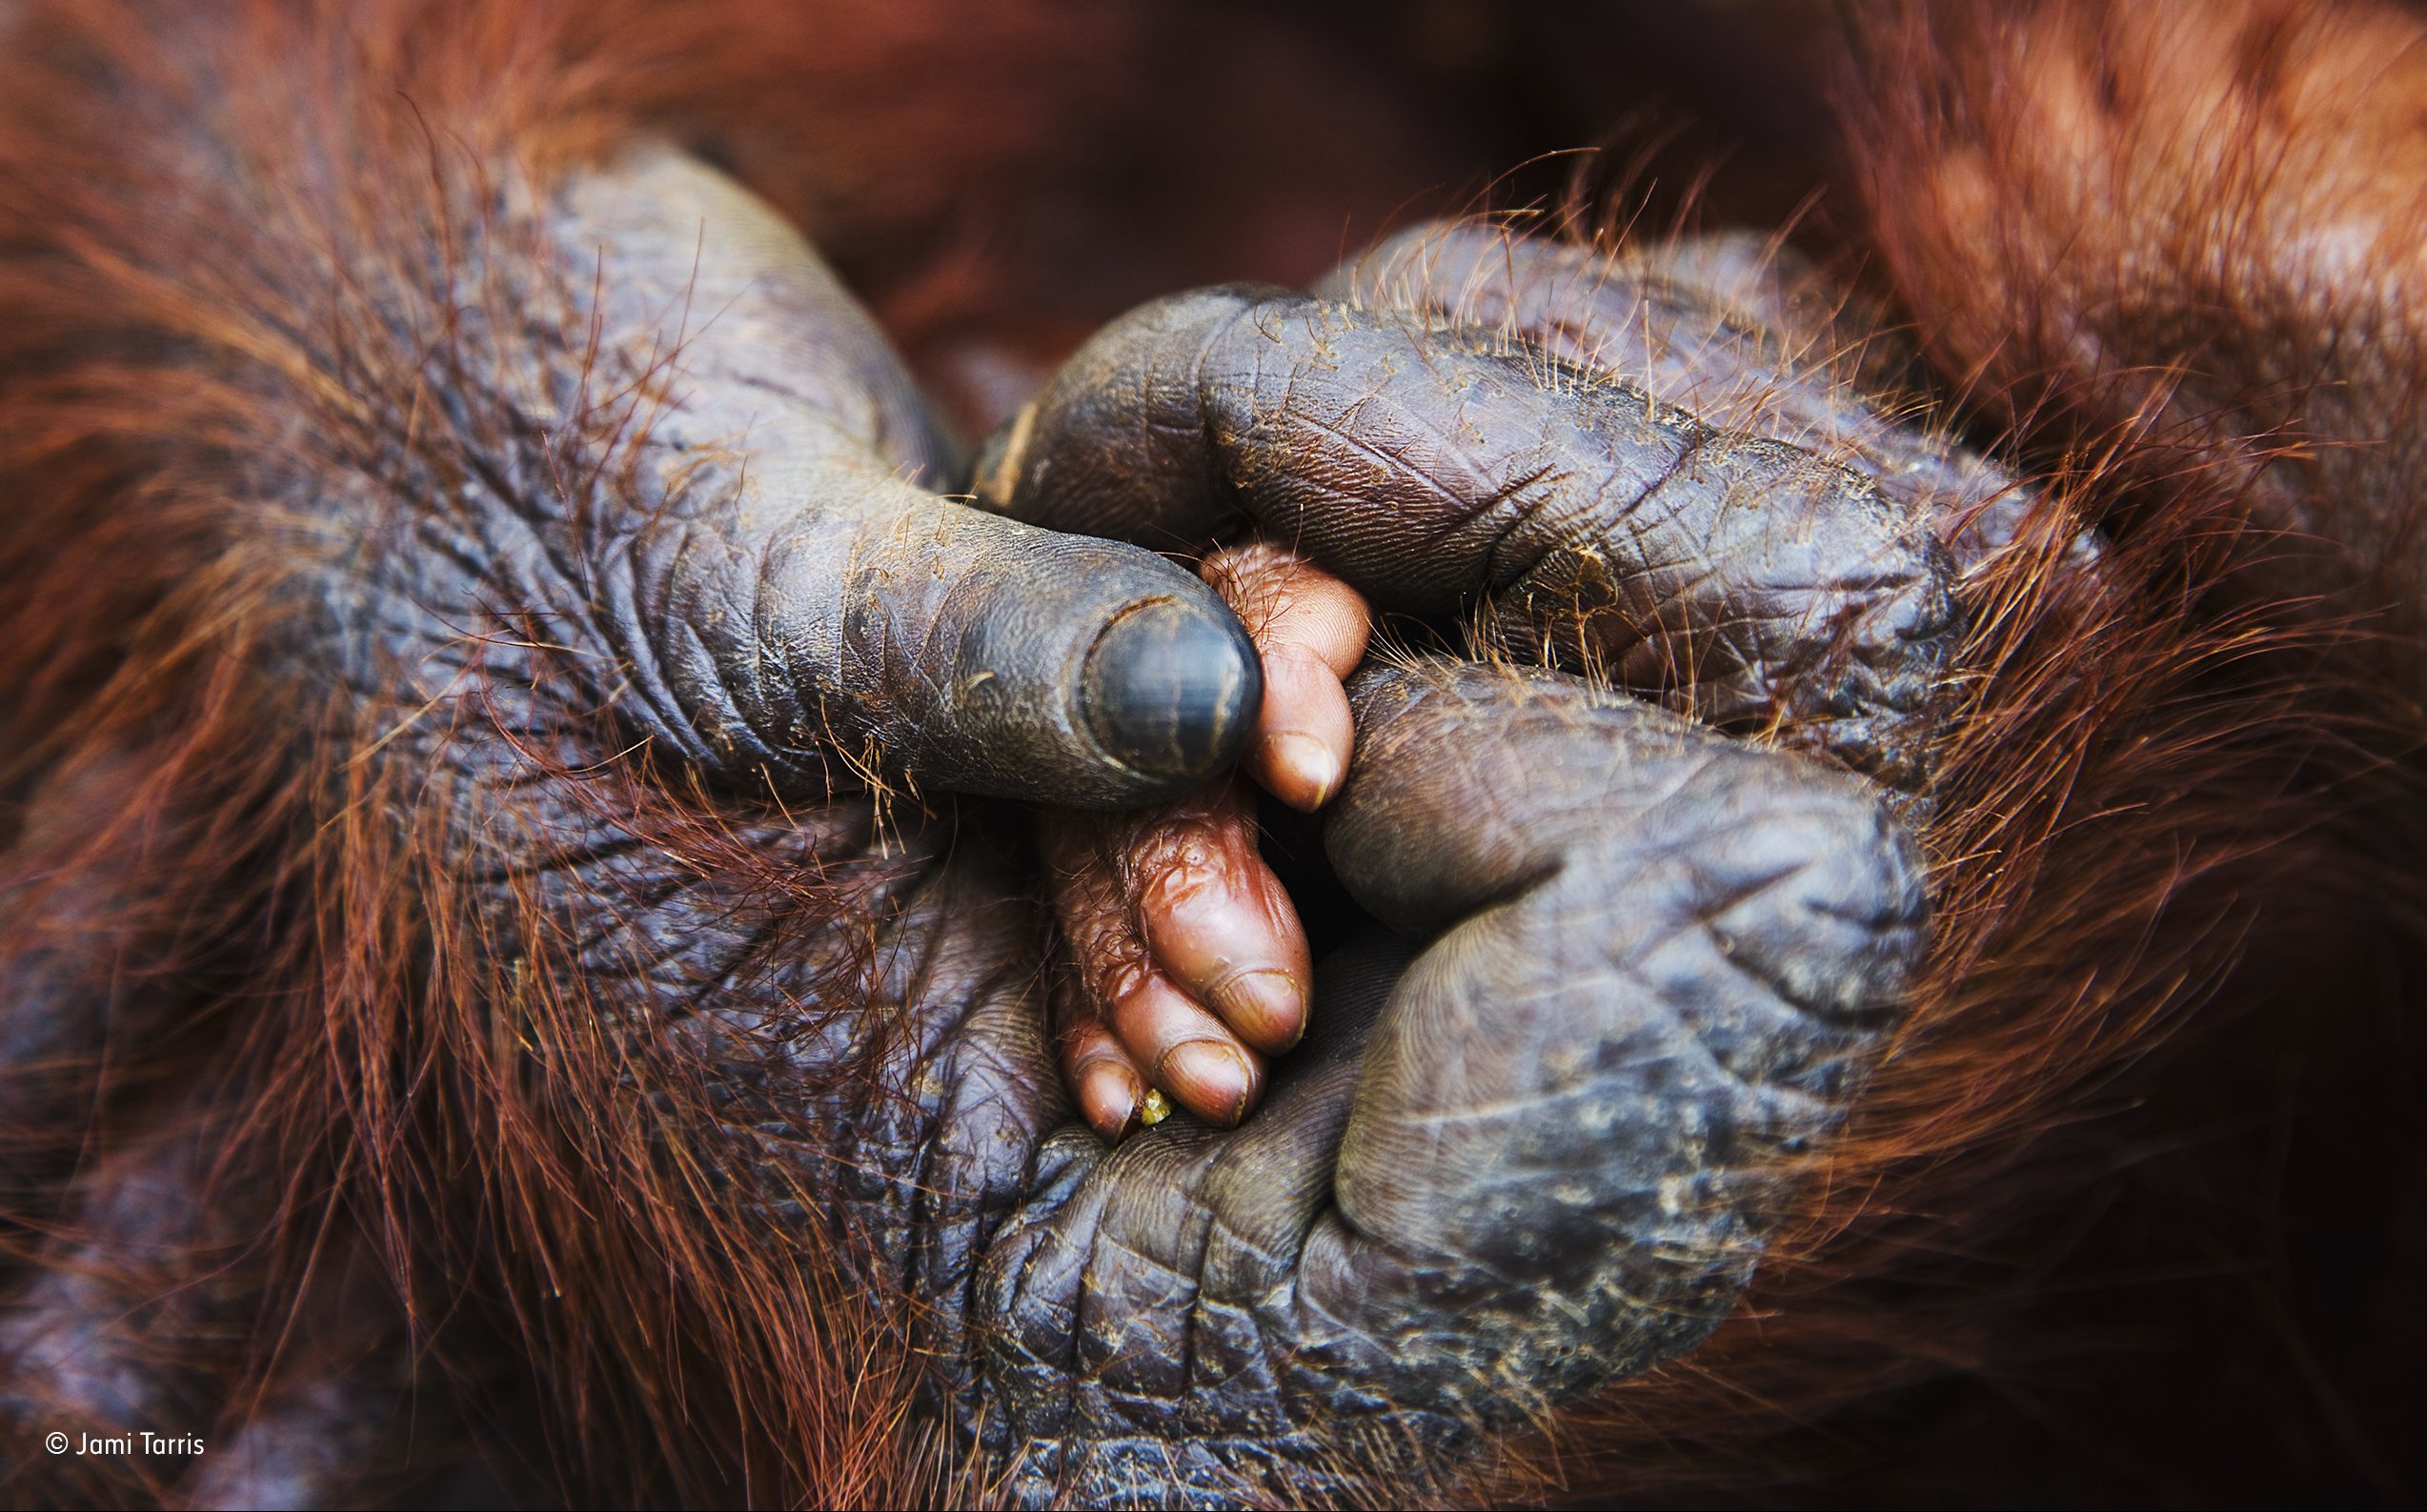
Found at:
<point>1534,1155</point>
<point>672,511</point>
<point>1438,467</point>
<point>1629,969</point>
<point>667,802</point>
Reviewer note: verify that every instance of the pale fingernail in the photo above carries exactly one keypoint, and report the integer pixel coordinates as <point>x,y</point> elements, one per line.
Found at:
<point>1213,1079</point>
<point>1109,1095</point>
<point>1301,770</point>
<point>1267,1006</point>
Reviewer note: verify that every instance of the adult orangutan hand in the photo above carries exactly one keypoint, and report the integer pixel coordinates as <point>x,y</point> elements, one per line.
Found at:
<point>667,720</point>
<point>1639,955</point>
<point>1639,963</point>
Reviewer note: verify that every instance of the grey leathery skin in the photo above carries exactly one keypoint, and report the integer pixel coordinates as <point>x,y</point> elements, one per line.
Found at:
<point>1730,327</point>
<point>1633,968</point>
<point>782,587</point>
<point>1757,581</point>
<point>1658,961</point>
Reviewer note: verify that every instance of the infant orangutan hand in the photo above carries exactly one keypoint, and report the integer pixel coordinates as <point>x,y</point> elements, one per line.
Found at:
<point>1185,964</point>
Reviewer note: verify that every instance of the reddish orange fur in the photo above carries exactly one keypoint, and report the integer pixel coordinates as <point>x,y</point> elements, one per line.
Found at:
<point>165,326</point>
<point>177,331</point>
<point>2194,227</point>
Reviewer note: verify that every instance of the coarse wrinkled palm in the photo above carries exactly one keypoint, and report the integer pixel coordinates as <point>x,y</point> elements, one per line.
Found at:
<point>1629,965</point>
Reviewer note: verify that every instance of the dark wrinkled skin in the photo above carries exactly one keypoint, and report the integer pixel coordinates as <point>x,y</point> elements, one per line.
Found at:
<point>760,635</point>
<point>1531,1159</point>
<point>1758,580</point>
<point>1629,969</point>
<point>1731,328</point>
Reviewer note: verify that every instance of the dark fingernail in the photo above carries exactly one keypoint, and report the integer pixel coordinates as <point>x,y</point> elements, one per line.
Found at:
<point>1267,1006</point>
<point>1172,689</point>
<point>1212,1079</point>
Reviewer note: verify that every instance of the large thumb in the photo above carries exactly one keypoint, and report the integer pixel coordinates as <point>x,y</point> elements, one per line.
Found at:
<point>795,604</point>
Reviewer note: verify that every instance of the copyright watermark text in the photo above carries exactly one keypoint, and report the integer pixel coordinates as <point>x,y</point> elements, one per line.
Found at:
<point>143,1442</point>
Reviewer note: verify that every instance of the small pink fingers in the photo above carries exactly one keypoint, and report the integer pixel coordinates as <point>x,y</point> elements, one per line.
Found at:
<point>1190,965</point>
<point>1112,1097</point>
<point>1187,955</point>
<point>1312,628</point>
<point>1217,921</point>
